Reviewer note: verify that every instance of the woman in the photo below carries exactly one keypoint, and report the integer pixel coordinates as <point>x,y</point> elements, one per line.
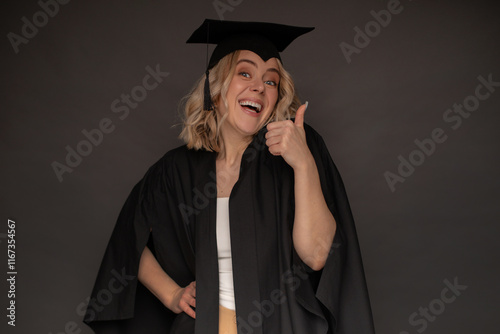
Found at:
<point>248,224</point>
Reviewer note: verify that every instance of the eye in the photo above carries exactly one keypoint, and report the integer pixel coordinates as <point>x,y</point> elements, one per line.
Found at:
<point>244,74</point>
<point>271,83</point>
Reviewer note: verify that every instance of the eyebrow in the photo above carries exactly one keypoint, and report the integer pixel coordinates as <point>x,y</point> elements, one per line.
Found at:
<point>272,69</point>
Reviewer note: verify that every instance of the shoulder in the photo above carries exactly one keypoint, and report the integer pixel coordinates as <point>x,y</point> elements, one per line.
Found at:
<point>173,155</point>
<point>318,148</point>
<point>311,133</point>
<point>178,155</point>
<point>179,159</point>
<point>182,156</point>
<point>314,139</point>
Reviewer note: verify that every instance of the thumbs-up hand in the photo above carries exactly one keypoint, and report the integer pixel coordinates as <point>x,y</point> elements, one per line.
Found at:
<point>288,139</point>
<point>299,115</point>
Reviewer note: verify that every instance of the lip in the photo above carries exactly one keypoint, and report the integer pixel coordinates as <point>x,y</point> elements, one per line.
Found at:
<point>251,113</point>
<point>259,101</point>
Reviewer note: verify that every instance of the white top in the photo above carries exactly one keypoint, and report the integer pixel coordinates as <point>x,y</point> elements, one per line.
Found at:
<point>226,288</point>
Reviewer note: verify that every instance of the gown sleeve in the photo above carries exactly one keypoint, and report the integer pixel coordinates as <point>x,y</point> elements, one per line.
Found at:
<point>119,303</point>
<point>340,286</point>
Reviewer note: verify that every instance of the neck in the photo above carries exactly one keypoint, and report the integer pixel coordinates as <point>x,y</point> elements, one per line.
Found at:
<point>233,147</point>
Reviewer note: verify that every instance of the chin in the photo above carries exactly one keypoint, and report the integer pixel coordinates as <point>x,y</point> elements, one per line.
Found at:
<point>250,127</point>
<point>249,130</point>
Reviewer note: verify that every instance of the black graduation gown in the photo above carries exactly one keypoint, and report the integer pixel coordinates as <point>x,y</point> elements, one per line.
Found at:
<point>275,292</point>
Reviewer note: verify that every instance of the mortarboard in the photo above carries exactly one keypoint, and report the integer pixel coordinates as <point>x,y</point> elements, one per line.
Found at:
<point>265,39</point>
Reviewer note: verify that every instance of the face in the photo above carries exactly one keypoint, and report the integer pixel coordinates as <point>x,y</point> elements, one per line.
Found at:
<point>251,96</point>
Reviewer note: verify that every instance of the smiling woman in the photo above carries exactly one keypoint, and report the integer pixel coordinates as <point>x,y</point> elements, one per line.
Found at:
<point>251,97</point>
<point>270,246</point>
<point>202,124</point>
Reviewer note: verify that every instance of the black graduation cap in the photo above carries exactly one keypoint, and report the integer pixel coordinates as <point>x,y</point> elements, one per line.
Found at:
<point>265,39</point>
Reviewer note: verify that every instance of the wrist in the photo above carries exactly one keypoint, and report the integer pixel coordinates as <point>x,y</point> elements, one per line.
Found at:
<point>306,165</point>
<point>171,299</point>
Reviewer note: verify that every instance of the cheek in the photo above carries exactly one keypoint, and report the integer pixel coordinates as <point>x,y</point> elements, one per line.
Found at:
<point>232,93</point>
<point>273,98</point>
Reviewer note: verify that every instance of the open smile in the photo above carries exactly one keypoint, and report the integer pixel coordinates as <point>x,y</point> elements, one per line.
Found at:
<point>252,107</point>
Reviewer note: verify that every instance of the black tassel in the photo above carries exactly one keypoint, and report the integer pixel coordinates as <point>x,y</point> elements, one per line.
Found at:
<point>207,100</point>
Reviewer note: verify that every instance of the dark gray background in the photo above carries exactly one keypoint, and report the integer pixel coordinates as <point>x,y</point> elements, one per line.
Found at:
<point>441,223</point>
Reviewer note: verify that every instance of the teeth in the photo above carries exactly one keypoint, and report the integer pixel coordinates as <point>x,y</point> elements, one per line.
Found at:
<point>251,104</point>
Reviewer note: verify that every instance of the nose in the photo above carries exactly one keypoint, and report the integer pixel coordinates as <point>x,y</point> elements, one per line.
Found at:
<point>257,86</point>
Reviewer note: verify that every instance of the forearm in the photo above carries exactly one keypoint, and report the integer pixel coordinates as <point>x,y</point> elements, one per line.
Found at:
<point>152,275</point>
<point>314,225</point>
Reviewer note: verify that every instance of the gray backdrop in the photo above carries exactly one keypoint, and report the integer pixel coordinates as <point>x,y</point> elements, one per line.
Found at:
<point>385,94</point>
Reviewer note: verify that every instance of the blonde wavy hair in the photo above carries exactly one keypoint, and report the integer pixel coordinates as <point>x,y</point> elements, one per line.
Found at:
<point>201,128</point>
